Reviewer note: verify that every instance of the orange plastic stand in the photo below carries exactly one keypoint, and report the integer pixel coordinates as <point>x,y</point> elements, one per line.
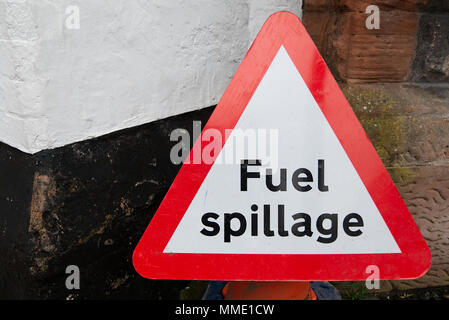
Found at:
<point>268,290</point>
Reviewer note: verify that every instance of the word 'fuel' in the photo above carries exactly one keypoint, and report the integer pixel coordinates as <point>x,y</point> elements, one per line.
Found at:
<point>235,223</point>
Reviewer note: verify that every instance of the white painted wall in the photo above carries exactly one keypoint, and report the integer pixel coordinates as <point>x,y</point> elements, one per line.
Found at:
<point>129,63</point>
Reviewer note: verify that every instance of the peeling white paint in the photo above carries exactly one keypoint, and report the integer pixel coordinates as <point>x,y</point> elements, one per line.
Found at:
<point>131,62</point>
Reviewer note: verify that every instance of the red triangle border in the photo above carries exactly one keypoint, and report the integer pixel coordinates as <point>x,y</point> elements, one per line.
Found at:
<point>284,28</point>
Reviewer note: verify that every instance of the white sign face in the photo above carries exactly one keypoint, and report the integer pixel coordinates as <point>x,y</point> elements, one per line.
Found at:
<point>322,208</point>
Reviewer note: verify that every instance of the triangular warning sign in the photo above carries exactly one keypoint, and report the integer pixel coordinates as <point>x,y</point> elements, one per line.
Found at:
<point>310,200</point>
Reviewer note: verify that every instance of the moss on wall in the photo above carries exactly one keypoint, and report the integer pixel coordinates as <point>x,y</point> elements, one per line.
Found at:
<point>385,124</point>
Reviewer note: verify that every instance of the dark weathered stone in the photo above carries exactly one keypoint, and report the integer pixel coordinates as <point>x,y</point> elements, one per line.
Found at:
<point>85,204</point>
<point>360,5</point>
<point>16,176</point>
<point>431,63</point>
<point>433,6</point>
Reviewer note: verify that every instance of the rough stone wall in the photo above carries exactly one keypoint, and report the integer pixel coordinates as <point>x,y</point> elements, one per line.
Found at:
<point>411,43</point>
<point>397,81</point>
<point>408,125</point>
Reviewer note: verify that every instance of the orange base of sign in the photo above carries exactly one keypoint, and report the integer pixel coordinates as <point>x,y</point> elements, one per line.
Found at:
<point>268,290</point>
